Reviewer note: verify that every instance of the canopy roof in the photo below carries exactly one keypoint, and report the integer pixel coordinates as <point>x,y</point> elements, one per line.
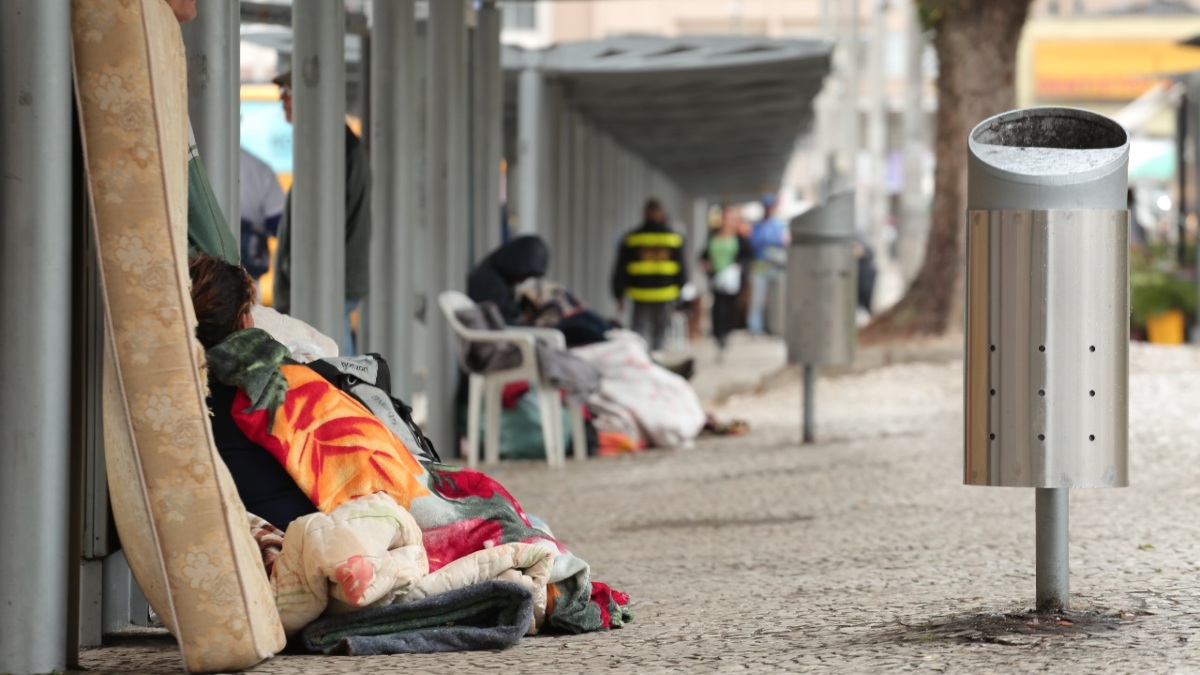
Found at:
<point>719,115</point>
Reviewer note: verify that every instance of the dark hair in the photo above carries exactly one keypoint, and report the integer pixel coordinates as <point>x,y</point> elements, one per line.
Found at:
<point>652,206</point>
<point>222,294</point>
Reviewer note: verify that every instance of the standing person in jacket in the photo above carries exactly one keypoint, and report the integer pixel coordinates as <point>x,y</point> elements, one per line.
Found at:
<point>769,239</point>
<point>495,279</point>
<point>262,205</point>
<point>652,270</point>
<point>725,258</point>
<point>358,226</point>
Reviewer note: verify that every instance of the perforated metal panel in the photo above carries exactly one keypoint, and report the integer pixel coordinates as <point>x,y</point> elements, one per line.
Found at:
<point>1047,348</point>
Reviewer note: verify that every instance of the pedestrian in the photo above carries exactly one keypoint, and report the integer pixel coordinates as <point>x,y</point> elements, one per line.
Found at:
<point>262,203</point>
<point>358,226</point>
<point>769,239</point>
<point>652,270</point>
<point>725,258</point>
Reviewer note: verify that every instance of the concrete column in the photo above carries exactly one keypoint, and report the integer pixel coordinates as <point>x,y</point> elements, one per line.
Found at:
<point>531,123</point>
<point>445,200</point>
<point>213,77</point>
<point>318,211</point>
<point>562,189</point>
<point>579,202</point>
<point>35,301</point>
<point>914,222</point>
<point>394,167</point>
<point>487,130</point>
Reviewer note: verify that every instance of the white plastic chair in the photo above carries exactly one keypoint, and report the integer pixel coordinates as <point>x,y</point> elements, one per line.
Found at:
<point>487,388</point>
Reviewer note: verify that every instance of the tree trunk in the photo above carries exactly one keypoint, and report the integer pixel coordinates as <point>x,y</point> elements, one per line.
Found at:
<point>976,44</point>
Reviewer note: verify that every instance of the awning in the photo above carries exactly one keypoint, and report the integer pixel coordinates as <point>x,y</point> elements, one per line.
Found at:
<point>718,115</point>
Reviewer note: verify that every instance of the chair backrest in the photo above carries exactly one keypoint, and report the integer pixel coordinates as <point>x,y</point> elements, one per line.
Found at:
<point>451,302</point>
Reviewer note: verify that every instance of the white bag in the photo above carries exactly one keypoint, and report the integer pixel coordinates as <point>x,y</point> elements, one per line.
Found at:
<point>728,280</point>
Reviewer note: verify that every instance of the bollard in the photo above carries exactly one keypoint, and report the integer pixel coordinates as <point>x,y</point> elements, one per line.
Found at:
<point>822,280</point>
<point>1047,316</point>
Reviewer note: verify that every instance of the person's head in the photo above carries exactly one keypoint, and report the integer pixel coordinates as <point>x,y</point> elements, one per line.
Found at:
<point>522,258</point>
<point>653,211</point>
<point>185,10</point>
<point>284,81</point>
<point>222,295</point>
<point>731,220</point>
<point>769,202</point>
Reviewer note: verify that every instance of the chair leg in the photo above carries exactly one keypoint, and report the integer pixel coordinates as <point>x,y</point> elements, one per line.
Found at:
<point>551,434</point>
<point>578,433</point>
<point>491,401</point>
<point>474,399</point>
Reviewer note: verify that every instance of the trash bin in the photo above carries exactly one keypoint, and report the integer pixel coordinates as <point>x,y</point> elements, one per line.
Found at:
<point>822,284</point>
<point>1047,330</point>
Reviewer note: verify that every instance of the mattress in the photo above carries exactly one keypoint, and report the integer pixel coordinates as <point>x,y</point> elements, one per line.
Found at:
<point>181,523</point>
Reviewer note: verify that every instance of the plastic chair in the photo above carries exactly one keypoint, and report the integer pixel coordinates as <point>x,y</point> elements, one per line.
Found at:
<point>486,389</point>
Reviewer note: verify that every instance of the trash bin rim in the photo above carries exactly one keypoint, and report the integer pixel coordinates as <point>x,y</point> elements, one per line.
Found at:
<point>1114,156</point>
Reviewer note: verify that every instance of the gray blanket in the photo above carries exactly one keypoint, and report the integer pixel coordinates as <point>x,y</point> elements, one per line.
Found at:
<point>490,615</point>
<point>562,369</point>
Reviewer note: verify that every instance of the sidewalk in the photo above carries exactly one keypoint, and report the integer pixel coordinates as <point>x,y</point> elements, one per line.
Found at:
<point>860,553</point>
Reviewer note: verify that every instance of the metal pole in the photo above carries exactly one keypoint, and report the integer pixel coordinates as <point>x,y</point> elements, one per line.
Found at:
<point>487,83</point>
<point>394,166</point>
<point>810,403</point>
<point>1193,108</point>
<point>877,133</point>
<point>531,117</point>
<point>213,76</point>
<point>447,129</point>
<point>35,301</point>
<point>318,210</point>
<point>1053,562</point>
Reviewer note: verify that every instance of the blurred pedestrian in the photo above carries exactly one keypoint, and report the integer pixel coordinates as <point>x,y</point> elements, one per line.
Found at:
<point>725,258</point>
<point>769,239</point>
<point>652,270</point>
<point>262,204</point>
<point>358,226</point>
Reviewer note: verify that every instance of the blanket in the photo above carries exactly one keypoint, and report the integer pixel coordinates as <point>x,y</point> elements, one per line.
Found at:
<point>336,451</point>
<point>369,553</point>
<point>638,398</point>
<point>489,615</point>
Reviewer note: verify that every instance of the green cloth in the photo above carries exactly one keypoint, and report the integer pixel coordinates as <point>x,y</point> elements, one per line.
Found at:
<point>722,252</point>
<point>249,359</point>
<point>208,230</point>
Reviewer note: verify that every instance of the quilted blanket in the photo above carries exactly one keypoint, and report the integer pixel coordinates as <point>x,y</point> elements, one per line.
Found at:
<point>336,451</point>
<point>368,553</point>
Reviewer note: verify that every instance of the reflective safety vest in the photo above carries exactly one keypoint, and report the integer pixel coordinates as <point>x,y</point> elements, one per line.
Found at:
<point>653,266</point>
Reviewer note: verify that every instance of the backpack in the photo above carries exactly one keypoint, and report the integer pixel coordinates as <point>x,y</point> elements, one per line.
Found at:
<point>368,380</point>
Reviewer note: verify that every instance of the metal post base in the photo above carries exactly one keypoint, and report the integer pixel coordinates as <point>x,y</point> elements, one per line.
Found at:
<point>810,386</point>
<point>1053,564</point>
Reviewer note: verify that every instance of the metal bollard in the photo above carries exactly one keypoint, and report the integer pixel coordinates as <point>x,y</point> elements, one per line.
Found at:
<point>822,280</point>
<point>1047,327</point>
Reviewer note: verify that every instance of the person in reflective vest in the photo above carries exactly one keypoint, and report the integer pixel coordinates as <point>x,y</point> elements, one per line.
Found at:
<point>651,270</point>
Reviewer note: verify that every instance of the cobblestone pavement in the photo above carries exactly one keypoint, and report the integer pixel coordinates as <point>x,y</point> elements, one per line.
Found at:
<point>861,553</point>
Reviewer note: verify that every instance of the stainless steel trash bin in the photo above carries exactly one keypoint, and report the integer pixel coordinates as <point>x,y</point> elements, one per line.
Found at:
<point>1047,327</point>
<point>822,279</point>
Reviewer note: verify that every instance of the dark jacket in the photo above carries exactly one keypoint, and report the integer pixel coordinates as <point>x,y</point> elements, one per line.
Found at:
<point>265,487</point>
<point>495,279</point>
<point>358,231</point>
<point>651,265</point>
